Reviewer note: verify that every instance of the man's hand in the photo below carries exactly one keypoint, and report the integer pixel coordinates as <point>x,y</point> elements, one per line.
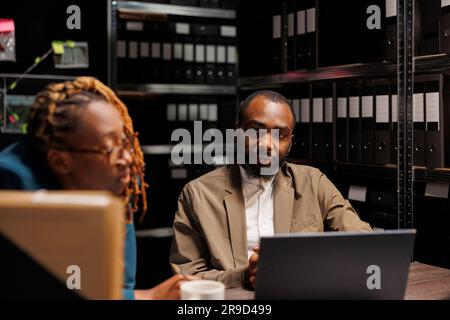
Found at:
<point>253,267</point>
<point>167,290</point>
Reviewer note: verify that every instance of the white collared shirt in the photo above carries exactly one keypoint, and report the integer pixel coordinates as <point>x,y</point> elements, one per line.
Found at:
<point>258,198</point>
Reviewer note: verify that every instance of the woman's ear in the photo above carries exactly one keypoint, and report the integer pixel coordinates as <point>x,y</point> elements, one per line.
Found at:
<point>60,162</point>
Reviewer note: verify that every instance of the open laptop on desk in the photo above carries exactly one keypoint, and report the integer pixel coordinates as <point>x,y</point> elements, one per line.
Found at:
<point>61,245</point>
<point>335,265</point>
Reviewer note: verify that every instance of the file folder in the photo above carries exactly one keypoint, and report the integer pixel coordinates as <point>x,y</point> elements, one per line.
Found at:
<point>230,76</point>
<point>295,147</point>
<point>429,11</point>
<point>419,124</point>
<point>354,137</point>
<point>433,134</point>
<point>344,35</point>
<point>305,127</point>
<point>382,124</point>
<point>394,122</point>
<point>278,32</point>
<point>211,64</point>
<point>189,62</point>
<point>445,27</point>
<point>300,31</point>
<point>228,34</point>
<point>390,21</point>
<point>177,63</point>
<point>367,122</point>
<point>329,132</point>
<point>200,65</point>
<point>342,123</point>
<point>311,35</point>
<point>291,35</point>
<point>167,58</point>
<point>318,123</point>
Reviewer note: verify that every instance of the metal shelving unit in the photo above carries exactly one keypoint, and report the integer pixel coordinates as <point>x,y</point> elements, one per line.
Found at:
<point>439,63</point>
<point>131,90</point>
<point>142,8</point>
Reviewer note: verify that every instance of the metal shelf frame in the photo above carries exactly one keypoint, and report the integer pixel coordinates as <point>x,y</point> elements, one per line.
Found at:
<point>439,63</point>
<point>175,89</point>
<point>134,7</point>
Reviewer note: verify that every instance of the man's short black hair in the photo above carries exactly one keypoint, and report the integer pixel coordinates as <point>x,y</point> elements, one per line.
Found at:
<point>268,94</point>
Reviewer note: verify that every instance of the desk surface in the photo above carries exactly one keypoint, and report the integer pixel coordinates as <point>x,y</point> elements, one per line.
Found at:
<point>425,282</point>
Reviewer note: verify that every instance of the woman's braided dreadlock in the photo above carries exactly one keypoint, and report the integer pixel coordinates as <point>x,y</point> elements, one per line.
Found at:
<point>53,116</point>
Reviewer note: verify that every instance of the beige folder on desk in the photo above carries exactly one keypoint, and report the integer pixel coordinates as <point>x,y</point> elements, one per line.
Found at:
<point>77,234</point>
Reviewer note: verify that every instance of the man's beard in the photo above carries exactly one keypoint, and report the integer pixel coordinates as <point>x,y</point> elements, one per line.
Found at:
<point>254,171</point>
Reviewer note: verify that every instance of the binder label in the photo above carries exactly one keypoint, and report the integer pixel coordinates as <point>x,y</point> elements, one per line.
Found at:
<point>391,8</point>
<point>301,22</point>
<point>213,110</point>
<point>418,115</point>
<point>121,49</point>
<point>304,109</point>
<point>311,20</point>
<point>438,189</point>
<point>231,54</point>
<point>134,26</point>
<point>182,112</point>
<point>394,101</point>
<point>133,50</point>
<point>329,110</point>
<point>156,50</point>
<point>276,27</point>
<point>199,53</point>
<point>177,51</point>
<point>357,193</point>
<point>228,31</point>
<point>189,52</point>
<point>221,56</point>
<point>210,54</point>
<point>342,107</point>
<point>203,113</point>
<point>382,107</point>
<point>296,107</point>
<point>193,110</point>
<point>432,104</point>
<point>290,24</point>
<point>145,50</point>
<point>167,51</point>
<point>171,112</point>
<point>318,110</point>
<point>367,107</point>
<point>182,28</point>
<point>354,107</point>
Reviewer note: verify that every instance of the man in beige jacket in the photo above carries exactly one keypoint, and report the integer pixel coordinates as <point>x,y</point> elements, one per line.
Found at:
<point>222,215</point>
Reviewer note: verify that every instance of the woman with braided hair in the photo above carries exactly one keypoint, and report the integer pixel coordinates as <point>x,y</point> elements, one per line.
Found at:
<point>80,136</point>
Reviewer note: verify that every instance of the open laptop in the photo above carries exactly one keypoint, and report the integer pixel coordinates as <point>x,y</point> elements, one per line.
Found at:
<point>335,265</point>
<point>61,245</point>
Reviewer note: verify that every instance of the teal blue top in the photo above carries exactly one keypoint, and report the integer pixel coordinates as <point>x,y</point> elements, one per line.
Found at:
<point>22,169</point>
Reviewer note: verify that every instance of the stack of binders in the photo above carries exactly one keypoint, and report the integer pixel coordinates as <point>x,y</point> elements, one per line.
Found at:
<point>176,52</point>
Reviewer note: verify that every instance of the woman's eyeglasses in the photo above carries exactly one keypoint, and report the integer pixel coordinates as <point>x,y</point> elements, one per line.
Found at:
<point>113,154</point>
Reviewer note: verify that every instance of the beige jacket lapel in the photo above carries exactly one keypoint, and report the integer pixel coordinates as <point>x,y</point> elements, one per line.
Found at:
<point>235,208</point>
<point>283,202</point>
